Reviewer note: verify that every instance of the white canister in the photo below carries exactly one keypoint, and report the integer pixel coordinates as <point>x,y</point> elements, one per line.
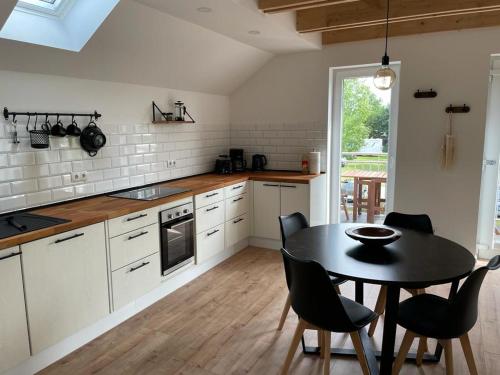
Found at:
<point>314,162</point>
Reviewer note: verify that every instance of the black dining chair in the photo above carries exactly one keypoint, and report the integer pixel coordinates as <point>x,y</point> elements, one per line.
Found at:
<point>421,223</point>
<point>290,225</point>
<point>320,307</point>
<point>428,315</point>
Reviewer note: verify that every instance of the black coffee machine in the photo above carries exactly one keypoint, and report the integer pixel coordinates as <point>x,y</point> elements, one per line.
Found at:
<point>223,165</point>
<point>238,161</point>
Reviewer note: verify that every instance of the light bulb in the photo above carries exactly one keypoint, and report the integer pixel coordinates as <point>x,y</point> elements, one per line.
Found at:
<point>385,77</point>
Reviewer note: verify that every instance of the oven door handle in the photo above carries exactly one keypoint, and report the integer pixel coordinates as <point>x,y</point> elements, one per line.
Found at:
<point>180,223</point>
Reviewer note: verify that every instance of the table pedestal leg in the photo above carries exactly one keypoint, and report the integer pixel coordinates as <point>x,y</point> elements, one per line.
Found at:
<point>389,338</point>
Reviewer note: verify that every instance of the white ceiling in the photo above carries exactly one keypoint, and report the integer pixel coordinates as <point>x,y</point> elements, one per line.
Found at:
<point>235,18</point>
<point>138,44</point>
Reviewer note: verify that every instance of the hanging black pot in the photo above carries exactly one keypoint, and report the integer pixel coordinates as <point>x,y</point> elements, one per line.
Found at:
<point>92,138</point>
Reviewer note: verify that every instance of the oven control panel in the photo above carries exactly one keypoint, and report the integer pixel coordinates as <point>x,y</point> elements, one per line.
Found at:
<point>176,212</point>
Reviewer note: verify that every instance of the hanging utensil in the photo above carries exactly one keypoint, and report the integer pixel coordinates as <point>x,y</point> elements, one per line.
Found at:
<point>15,138</point>
<point>92,138</point>
<point>58,129</point>
<point>40,138</point>
<point>73,129</point>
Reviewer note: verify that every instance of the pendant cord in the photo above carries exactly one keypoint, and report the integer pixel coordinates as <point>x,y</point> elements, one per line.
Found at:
<point>387,27</point>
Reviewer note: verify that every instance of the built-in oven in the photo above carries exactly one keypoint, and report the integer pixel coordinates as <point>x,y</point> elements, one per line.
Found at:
<point>177,237</point>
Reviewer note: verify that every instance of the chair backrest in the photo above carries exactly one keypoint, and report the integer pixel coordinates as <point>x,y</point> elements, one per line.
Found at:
<point>420,223</point>
<point>464,306</point>
<point>291,224</point>
<point>313,296</point>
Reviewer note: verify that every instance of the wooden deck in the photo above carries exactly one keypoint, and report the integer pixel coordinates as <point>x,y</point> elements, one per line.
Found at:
<point>225,322</point>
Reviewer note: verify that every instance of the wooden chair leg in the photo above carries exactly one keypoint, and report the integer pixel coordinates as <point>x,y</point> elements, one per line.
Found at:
<point>403,351</point>
<point>337,289</point>
<point>326,352</point>
<point>469,357</point>
<point>299,331</point>
<point>286,308</point>
<point>448,355</point>
<point>321,344</point>
<point>422,348</point>
<point>379,309</point>
<point>360,352</point>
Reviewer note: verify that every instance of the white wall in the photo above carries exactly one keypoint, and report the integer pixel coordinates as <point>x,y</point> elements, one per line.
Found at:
<point>293,89</point>
<point>135,152</point>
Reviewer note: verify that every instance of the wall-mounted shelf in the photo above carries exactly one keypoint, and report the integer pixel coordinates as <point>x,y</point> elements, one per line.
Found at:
<point>165,119</point>
<point>172,122</point>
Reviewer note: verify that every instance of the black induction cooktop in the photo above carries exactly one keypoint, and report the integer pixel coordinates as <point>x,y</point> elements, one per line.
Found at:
<point>19,223</point>
<point>150,193</point>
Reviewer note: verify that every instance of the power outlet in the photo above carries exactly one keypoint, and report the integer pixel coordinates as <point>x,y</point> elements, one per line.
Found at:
<point>170,163</point>
<point>79,176</point>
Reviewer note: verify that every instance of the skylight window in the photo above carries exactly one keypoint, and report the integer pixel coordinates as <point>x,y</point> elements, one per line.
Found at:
<point>44,7</point>
<point>65,24</point>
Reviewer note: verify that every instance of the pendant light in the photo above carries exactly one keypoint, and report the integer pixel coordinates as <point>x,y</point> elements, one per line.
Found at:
<point>385,77</point>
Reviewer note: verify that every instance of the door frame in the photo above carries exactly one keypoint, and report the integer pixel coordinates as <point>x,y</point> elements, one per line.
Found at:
<point>336,77</point>
<point>485,242</point>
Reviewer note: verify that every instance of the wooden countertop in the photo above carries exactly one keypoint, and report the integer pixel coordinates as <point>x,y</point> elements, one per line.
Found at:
<point>98,209</point>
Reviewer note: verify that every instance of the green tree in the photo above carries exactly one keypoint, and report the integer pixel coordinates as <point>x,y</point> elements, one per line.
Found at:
<point>363,115</point>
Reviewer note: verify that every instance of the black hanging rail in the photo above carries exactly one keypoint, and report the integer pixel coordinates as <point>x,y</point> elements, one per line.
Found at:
<point>7,113</point>
<point>458,109</point>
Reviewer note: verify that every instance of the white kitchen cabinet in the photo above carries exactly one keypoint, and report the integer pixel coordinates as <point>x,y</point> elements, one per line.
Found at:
<point>133,221</point>
<point>14,341</point>
<point>237,229</point>
<point>210,197</point>
<point>294,198</point>
<point>209,216</point>
<point>267,206</point>
<point>66,284</point>
<point>272,199</point>
<point>236,206</point>
<point>135,245</point>
<point>236,189</point>
<point>209,243</point>
<point>135,280</point>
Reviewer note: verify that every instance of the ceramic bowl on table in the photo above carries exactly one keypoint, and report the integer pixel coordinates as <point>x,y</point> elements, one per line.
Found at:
<point>374,235</point>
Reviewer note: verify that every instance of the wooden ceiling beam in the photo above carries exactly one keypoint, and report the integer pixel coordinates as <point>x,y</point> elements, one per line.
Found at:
<point>360,14</point>
<point>430,25</point>
<point>276,6</point>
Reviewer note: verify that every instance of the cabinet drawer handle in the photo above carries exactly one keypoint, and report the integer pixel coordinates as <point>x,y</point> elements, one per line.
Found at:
<point>289,186</point>
<point>136,217</point>
<point>139,266</point>
<point>11,255</point>
<point>138,235</point>
<point>272,185</point>
<point>211,195</point>
<point>238,220</point>
<point>70,237</point>
<point>237,187</point>
<point>212,233</point>
<point>238,199</point>
<point>211,209</point>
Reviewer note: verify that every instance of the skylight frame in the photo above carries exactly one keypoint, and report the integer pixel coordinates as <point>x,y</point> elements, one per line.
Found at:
<point>42,8</point>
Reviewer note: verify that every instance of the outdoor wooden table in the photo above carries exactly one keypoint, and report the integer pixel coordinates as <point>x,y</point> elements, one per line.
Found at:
<point>416,260</point>
<point>374,181</point>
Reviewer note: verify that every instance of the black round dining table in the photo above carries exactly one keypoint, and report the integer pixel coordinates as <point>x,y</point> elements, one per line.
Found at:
<point>416,260</point>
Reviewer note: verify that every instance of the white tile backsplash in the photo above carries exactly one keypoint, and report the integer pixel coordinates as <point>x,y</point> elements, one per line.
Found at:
<point>134,155</point>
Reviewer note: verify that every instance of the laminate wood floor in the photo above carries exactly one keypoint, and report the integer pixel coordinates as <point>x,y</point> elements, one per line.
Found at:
<point>224,322</point>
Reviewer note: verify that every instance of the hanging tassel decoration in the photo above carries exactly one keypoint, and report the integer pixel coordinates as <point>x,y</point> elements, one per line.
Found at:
<point>448,147</point>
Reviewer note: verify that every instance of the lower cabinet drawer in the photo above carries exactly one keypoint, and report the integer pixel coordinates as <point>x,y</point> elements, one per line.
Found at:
<point>236,206</point>
<point>209,216</point>
<point>133,246</point>
<point>134,221</point>
<point>237,229</point>
<point>209,243</point>
<point>135,280</point>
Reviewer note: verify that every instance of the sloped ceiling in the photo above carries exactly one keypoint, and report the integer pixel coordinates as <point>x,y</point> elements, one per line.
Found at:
<point>137,44</point>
